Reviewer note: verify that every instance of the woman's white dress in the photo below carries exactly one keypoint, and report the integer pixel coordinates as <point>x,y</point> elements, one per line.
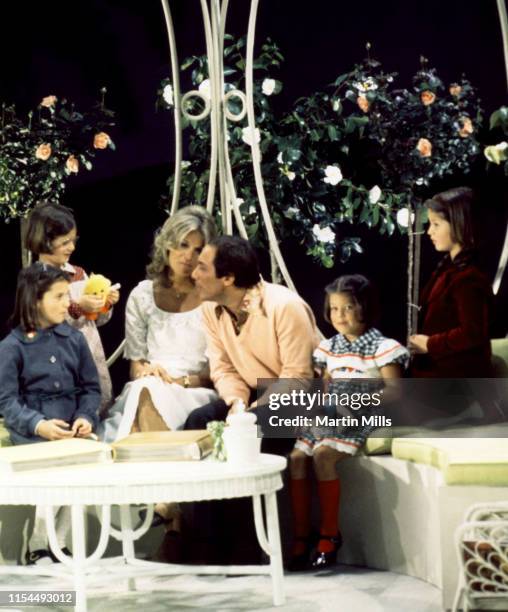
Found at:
<point>174,340</point>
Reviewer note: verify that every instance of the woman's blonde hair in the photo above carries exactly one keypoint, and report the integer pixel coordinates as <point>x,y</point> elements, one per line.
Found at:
<point>171,235</point>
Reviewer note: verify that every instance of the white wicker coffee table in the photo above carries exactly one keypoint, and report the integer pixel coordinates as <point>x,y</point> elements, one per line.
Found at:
<point>123,484</point>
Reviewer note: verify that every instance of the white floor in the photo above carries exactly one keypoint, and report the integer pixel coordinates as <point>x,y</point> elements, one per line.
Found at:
<point>345,589</point>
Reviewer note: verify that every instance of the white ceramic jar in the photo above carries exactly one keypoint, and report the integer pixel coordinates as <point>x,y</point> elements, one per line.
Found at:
<point>241,438</point>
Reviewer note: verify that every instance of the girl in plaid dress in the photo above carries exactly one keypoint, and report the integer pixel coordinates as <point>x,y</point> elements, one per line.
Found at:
<point>357,351</point>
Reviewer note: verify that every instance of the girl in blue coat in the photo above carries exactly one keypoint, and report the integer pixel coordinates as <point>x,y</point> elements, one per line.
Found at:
<point>49,386</point>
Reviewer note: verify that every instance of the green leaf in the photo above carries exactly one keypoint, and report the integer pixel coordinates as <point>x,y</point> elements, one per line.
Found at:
<point>332,132</point>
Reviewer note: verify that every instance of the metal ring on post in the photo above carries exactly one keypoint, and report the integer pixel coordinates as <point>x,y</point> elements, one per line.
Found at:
<point>191,94</point>
<point>235,93</point>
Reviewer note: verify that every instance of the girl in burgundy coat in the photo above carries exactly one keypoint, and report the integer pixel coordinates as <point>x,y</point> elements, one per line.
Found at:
<point>454,317</point>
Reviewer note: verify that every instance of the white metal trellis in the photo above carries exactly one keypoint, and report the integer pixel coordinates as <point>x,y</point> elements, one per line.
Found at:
<point>503,258</point>
<point>214,15</point>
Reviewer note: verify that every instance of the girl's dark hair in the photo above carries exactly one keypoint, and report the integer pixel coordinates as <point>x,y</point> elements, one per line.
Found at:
<point>33,282</point>
<point>362,292</point>
<point>454,206</point>
<point>46,222</point>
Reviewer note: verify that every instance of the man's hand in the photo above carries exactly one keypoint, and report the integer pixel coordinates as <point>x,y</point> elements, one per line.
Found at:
<point>236,404</point>
<point>418,343</point>
<point>53,429</point>
<point>81,428</point>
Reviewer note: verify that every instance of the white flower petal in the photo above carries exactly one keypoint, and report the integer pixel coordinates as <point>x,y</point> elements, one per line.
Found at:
<point>403,217</point>
<point>333,175</point>
<point>324,234</point>
<point>374,194</point>
<point>205,88</point>
<point>246,135</point>
<point>268,87</point>
<point>167,94</point>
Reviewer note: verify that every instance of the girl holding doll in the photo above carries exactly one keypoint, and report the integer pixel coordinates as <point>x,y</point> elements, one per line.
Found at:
<point>51,238</point>
<point>49,387</point>
<point>357,351</point>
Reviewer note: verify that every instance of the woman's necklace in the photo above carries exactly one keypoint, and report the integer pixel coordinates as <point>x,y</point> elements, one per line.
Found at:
<point>180,294</point>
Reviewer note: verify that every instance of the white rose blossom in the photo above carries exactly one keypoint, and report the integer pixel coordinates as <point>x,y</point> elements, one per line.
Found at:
<point>374,194</point>
<point>403,217</point>
<point>205,88</point>
<point>268,87</point>
<point>333,175</point>
<point>324,234</point>
<point>185,164</point>
<point>291,175</point>
<point>368,85</point>
<point>496,153</point>
<point>167,94</point>
<point>246,133</point>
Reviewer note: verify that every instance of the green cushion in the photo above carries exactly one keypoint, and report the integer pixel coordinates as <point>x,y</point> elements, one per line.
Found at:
<point>500,356</point>
<point>463,461</point>
<point>380,441</point>
<point>5,439</point>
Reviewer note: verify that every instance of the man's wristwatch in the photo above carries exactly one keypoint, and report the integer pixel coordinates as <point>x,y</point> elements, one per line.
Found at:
<point>186,381</point>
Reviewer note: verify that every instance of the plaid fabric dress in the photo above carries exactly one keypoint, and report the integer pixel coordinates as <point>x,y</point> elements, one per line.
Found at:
<point>353,367</point>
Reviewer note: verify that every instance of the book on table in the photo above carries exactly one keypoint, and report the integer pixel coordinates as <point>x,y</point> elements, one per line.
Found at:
<point>55,453</point>
<point>190,445</point>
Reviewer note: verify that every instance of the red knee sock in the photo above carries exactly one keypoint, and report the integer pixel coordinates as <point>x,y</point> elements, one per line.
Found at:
<point>300,503</point>
<point>329,497</point>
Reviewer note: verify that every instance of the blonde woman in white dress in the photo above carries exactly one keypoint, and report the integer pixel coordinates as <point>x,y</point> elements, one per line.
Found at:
<point>165,338</point>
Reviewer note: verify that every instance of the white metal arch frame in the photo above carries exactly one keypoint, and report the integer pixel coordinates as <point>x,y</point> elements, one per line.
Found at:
<point>214,15</point>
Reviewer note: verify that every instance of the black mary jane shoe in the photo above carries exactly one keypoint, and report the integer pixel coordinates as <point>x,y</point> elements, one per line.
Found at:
<point>301,562</point>
<point>157,519</point>
<point>324,560</point>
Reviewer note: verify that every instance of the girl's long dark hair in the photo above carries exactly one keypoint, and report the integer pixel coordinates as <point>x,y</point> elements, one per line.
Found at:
<point>33,282</point>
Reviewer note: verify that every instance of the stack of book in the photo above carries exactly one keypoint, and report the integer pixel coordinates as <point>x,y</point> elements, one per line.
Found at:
<point>137,447</point>
<point>57,453</point>
<point>189,445</point>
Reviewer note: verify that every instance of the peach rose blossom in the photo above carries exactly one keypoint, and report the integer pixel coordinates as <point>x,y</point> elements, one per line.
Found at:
<point>101,140</point>
<point>72,164</point>
<point>48,101</point>
<point>363,103</point>
<point>455,90</point>
<point>467,127</point>
<point>424,147</point>
<point>427,97</point>
<point>43,151</point>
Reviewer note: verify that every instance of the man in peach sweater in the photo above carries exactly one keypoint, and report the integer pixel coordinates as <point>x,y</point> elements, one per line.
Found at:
<point>255,330</point>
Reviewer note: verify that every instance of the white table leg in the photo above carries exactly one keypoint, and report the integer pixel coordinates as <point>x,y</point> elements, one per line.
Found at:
<point>128,538</point>
<point>272,520</point>
<point>79,555</point>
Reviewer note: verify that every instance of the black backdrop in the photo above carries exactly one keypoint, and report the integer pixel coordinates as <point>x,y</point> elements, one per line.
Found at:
<point>73,49</point>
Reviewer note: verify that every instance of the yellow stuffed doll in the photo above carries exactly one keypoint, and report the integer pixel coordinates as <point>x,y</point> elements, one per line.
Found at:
<point>98,285</point>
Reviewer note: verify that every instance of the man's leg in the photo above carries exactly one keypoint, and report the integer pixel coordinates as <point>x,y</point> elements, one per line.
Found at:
<point>199,417</point>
